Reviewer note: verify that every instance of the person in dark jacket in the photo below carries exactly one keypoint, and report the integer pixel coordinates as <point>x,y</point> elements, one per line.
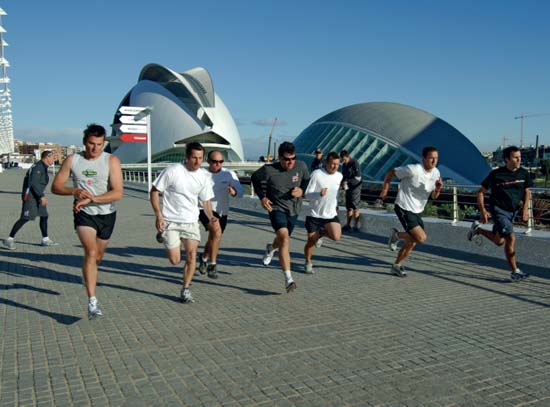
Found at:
<point>318,162</point>
<point>34,201</point>
<point>352,182</point>
<point>280,187</point>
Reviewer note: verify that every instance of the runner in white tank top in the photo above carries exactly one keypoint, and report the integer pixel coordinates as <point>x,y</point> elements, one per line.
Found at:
<point>97,183</point>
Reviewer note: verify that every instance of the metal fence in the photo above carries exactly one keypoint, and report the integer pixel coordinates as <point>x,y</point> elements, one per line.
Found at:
<point>455,203</point>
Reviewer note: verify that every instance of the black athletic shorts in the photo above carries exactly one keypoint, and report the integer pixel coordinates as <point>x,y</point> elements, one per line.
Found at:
<point>205,221</point>
<point>103,224</point>
<point>280,219</point>
<point>353,198</point>
<point>408,219</point>
<point>315,224</point>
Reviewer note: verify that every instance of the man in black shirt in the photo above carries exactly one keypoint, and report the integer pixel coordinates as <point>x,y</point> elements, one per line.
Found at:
<point>509,186</point>
<point>352,182</point>
<point>280,188</point>
<point>34,200</point>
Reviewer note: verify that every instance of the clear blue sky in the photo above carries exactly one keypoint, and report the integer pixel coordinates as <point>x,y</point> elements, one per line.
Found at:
<point>475,64</point>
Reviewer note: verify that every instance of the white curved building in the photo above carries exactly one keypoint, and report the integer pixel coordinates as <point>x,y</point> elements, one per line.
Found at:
<point>185,109</point>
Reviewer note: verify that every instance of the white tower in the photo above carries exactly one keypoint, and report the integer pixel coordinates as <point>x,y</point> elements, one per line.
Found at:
<point>6,123</point>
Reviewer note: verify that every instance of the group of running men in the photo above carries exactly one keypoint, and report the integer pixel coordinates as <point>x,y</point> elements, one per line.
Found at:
<point>192,196</point>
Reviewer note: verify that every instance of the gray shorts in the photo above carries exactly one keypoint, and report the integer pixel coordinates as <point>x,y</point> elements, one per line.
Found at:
<point>503,221</point>
<point>353,198</point>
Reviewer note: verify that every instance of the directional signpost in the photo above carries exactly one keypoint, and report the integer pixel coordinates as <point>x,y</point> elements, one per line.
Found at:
<point>136,128</point>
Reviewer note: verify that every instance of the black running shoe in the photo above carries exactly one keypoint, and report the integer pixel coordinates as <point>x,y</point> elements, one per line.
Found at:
<point>159,237</point>
<point>212,271</point>
<point>290,286</point>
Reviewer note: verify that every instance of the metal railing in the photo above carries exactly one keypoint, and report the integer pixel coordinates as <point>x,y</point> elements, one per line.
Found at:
<point>455,203</point>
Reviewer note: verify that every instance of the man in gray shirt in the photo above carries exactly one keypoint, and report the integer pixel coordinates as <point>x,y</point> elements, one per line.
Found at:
<point>280,188</point>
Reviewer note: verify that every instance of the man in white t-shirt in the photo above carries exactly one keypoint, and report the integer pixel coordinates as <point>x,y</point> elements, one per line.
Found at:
<point>322,219</point>
<point>225,183</point>
<point>418,183</point>
<point>182,186</point>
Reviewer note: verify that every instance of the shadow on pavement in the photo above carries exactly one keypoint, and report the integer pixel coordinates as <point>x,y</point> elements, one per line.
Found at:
<point>61,318</point>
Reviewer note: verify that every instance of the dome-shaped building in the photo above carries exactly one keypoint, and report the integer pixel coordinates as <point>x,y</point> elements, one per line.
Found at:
<point>185,109</point>
<point>383,135</point>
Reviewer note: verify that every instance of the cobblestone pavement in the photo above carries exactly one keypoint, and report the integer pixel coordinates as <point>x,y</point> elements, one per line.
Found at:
<point>455,332</point>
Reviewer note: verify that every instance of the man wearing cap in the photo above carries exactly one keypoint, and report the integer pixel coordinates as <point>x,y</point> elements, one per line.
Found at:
<point>34,201</point>
<point>318,162</point>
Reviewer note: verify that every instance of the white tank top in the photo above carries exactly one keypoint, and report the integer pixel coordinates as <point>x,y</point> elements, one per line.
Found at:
<point>93,176</point>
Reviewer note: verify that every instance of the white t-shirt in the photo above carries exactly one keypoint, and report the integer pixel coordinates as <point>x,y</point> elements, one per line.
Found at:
<point>416,186</point>
<point>221,181</point>
<point>181,190</point>
<point>324,207</point>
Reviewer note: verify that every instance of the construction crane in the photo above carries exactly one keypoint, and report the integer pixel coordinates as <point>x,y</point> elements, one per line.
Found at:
<point>524,116</point>
<point>268,156</point>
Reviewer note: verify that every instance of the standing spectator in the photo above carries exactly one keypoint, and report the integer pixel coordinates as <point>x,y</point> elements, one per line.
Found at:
<point>34,200</point>
<point>352,183</point>
<point>280,187</point>
<point>418,183</point>
<point>509,186</point>
<point>318,161</point>
<point>225,183</point>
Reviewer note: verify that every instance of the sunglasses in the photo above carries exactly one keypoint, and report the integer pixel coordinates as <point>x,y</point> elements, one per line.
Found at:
<point>289,158</point>
<point>216,161</point>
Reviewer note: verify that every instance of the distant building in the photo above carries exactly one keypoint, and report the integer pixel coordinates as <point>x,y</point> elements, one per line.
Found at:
<point>185,109</point>
<point>383,135</point>
<point>36,149</point>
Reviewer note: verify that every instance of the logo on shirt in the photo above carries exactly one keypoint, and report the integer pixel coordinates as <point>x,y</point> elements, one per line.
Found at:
<point>89,173</point>
<point>296,178</point>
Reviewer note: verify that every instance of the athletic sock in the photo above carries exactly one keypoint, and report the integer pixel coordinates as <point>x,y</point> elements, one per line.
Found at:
<point>93,300</point>
<point>288,277</point>
<point>11,239</point>
<point>204,260</point>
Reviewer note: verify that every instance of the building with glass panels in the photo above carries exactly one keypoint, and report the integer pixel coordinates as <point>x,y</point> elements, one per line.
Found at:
<point>382,135</point>
<point>185,109</point>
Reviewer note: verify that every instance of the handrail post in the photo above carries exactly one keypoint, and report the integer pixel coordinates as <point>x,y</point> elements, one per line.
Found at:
<point>530,221</point>
<point>251,189</point>
<point>455,206</point>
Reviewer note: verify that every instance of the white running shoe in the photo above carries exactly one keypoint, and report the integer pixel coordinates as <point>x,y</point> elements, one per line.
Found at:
<point>393,239</point>
<point>399,271</point>
<point>49,242</point>
<point>94,310</point>
<point>309,268</point>
<point>8,244</point>
<point>319,242</point>
<point>185,296</point>
<point>269,253</point>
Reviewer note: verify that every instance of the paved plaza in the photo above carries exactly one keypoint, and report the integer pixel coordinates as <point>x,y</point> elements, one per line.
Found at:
<point>455,332</point>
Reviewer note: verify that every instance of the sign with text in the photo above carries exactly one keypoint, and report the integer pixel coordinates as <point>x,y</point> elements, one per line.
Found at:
<point>133,128</point>
<point>130,109</point>
<point>132,120</point>
<point>134,138</point>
